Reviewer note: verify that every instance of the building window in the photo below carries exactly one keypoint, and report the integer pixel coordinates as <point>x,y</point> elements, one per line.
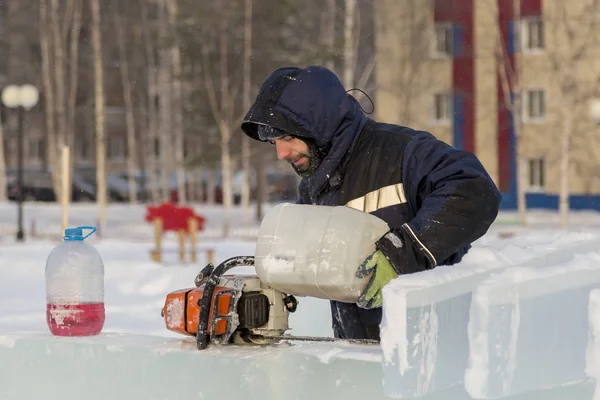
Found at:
<point>536,168</point>
<point>442,108</point>
<point>442,43</point>
<point>532,34</point>
<point>535,105</point>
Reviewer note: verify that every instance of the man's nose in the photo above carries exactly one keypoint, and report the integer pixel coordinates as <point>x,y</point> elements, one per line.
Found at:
<point>283,149</point>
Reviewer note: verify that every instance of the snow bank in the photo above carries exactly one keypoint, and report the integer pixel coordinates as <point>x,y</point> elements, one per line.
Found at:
<point>122,366</point>
<point>424,332</point>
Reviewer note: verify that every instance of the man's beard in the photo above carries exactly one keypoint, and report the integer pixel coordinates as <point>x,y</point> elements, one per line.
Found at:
<point>314,159</point>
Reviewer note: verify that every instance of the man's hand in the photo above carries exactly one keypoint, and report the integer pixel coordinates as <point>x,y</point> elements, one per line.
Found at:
<point>383,273</point>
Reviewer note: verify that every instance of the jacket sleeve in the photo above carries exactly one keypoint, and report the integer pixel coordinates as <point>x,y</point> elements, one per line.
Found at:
<point>454,201</point>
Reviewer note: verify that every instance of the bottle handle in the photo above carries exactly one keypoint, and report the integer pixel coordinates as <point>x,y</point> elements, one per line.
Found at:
<point>92,228</point>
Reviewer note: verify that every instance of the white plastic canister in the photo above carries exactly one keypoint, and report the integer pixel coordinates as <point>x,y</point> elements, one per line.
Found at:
<point>309,250</point>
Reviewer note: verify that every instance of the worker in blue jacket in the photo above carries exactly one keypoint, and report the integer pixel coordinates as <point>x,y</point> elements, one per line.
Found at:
<point>436,199</point>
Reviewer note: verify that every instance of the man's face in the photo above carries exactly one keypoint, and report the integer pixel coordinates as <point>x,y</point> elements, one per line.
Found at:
<point>296,152</point>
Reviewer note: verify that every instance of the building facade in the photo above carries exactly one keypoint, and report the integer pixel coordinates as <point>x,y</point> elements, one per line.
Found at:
<point>470,70</point>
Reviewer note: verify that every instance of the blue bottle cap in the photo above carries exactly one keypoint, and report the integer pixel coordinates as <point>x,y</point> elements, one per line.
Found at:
<point>77,233</point>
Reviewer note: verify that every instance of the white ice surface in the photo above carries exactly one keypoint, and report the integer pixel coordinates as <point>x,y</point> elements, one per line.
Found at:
<point>136,357</point>
<point>424,336</point>
<point>121,366</point>
<point>593,349</point>
<point>528,327</point>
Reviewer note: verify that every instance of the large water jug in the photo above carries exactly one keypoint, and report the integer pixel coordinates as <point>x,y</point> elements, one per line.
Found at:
<point>75,286</point>
<point>309,250</point>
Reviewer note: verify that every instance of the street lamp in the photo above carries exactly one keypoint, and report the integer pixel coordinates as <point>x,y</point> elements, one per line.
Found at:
<point>22,98</point>
<point>595,110</point>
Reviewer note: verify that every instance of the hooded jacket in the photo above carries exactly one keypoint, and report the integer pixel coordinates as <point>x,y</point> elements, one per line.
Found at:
<point>436,198</point>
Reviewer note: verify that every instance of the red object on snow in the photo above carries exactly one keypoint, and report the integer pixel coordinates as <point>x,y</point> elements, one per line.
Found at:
<point>175,218</point>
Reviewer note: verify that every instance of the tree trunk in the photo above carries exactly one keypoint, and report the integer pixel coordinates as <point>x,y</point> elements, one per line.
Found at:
<point>349,43</point>
<point>520,160</point>
<point>511,79</point>
<point>260,187</point>
<point>521,178</point>
<point>58,40</point>
<point>73,64</point>
<point>200,191</point>
<point>226,175</point>
<point>151,101</point>
<point>518,122</point>
<point>129,114</point>
<point>2,166</point>
<point>144,139</point>
<point>165,108</point>
<point>99,115</point>
<point>329,33</point>
<point>565,162</point>
<point>211,187</point>
<point>224,123</point>
<point>247,104</point>
<point>52,137</point>
<point>177,103</point>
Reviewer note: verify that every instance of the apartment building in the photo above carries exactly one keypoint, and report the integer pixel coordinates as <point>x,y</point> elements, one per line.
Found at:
<point>457,68</point>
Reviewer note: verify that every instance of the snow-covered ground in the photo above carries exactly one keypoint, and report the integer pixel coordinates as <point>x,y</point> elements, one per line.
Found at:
<point>135,290</point>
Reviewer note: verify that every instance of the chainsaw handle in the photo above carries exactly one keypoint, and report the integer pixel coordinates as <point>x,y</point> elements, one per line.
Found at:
<point>202,336</point>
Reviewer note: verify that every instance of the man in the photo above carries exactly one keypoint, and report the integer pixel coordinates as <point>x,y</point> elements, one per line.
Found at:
<point>436,199</point>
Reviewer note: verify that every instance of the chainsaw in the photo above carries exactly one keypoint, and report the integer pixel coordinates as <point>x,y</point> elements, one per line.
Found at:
<point>233,309</point>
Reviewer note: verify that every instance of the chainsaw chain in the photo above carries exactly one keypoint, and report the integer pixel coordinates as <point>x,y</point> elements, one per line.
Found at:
<point>323,339</point>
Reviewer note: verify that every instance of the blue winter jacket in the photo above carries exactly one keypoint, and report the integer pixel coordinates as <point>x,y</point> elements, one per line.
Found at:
<point>437,198</point>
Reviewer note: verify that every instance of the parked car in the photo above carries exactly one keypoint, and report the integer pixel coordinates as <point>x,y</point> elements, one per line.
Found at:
<point>117,186</point>
<point>37,186</point>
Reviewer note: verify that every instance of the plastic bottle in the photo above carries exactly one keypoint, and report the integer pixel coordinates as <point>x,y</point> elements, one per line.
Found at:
<point>75,286</point>
<point>308,250</point>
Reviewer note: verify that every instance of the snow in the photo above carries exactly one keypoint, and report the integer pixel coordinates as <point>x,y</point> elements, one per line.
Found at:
<point>523,300</point>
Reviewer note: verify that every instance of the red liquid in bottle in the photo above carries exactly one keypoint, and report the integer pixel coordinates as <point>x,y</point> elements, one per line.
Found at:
<point>83,319</point>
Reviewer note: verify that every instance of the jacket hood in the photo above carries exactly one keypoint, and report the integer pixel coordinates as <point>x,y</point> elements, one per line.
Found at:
<point>309,103</point>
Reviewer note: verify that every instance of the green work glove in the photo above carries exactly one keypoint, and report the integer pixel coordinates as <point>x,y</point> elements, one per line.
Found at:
<point>383,273</point>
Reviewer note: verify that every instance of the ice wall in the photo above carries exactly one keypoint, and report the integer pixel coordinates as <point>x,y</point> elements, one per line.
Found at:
<point>528,328</point>
<point>427,333</point>
<point>593,349</point>
<point>117,366</point>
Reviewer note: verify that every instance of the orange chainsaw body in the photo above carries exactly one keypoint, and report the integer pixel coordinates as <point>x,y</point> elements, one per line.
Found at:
<point>228,308</point>
<point>186,322</point>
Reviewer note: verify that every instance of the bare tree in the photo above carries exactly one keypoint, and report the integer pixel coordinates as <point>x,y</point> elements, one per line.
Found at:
<point>75,8</point>
<point>164,95</point>
<point>59,67</point>
<point>54,139</point>
<point>350,42</point>
<point>177,101</point>
<point>2,166</point>
<point>99,114</point>
<point>127,93</point>
<point>328,32</point>
<point>152,112</point>
<point>573,38</point>
<point>223,105</point>
<point>511,78</point>
<point>406,72</point>
<point>247,102</point>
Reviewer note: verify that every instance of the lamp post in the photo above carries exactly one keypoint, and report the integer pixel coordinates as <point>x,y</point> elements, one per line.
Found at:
<point>22,98</point>
<point>595,110</point>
